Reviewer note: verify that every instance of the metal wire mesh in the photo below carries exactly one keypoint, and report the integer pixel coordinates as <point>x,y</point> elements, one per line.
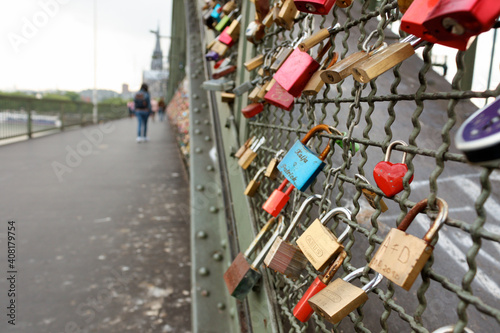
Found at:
<point>412,103</point>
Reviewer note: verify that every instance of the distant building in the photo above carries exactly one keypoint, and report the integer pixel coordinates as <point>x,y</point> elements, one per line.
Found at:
<point>126,93</point>
<point>156,78</point>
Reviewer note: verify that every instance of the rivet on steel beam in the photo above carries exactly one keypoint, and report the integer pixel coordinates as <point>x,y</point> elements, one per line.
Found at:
<point>207,138</point>
<point>200,188</point>
<point>205,293</point>
<point>206,121</point>
<point>198,150</point>
<point>203,271</point>
<point>197,121</point>
<point>194,75</point>
<point>195,96</point>
<point>213,209</point>
<point>232,312</point>
<point>210,168</point>
<point>221,306</point>
<point>197,110</point>
<point>201,234</point>
<point>223,244</point>
<point>204,105</point>
<point>197,131</point>
<point>217,256</point>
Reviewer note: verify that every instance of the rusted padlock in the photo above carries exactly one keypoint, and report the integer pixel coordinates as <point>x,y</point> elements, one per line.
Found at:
<point>242,276</point>
<point>370,196</point>
<point>254,184</point>
<point>401,257</point>
<point>319,244</point>
<point>287,258</point>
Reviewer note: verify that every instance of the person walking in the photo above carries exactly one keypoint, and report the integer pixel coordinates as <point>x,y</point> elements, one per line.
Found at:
<point>161,109</point>
<point>142,103</point>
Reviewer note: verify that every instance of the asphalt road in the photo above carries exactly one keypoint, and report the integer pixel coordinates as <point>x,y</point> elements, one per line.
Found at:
<point>100,245</point>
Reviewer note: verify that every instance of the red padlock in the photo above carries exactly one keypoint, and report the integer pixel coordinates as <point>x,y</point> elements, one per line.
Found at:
<point>303,311</point>
<point>319,7</point>
<point>297,70</point>
<point>413,22</point>
<point>389,176</point>
<point>224,71</point>
<point>252,110</point>
<point>279,97</point>
<point>278,199</point>
<point>452,19</point>
<point>226,39</point>
<point>219,63</point>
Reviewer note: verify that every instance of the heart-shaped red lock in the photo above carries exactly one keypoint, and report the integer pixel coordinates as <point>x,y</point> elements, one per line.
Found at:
<point>389,176</point>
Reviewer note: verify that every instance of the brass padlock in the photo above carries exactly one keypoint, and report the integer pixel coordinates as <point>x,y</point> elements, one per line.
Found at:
<point>254,94</point>
<point>244,147</point>
<point>287,14</point>
<point>343,68</point>
<point>401,256</point>
<point>382,60</point>
<point>255,62</point>
<point>242,276</point>
<point>287,258</point>
<point>262,91</point>
<point>229,7</point>
<point>370,196</point>
<point>272,168</point>
<point>250,154</point>
<point>269,19</point>
<point>343,3</point>
<point>227,97</point>
<point>307,43</point>
<point>319,244</point>
<point>261,9</point>
<point>220,48</point>
<point>315,83</point>
<point>340,297</point>
<point>254,184</point>
<point>282,55</point>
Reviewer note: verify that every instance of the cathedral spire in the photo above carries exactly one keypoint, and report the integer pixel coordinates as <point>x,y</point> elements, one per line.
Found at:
<point>157,58</point>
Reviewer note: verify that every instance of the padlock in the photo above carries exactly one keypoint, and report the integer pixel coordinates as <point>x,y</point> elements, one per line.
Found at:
<point>389,176</point>
<point>370,196</point>
<point>255,62</point>
<point>268,20</point>
<point>307,43</point>
<point>263,90</point>
<point>451,329</point>
<point>315,83</point>
<point>255,32</point>
<point>250,154</point>
<point>343,3</point>
<point>245,146</point>
<point>282,55</point>
<point>245,87</point>
<point>279,97</point>
<point>404,5</point>
<point>319,244</point>
<point>227,97</point>
<point>272,167</point>
<point>254,94</point>
<point>218,85</point>
<point>340,297</point>
<point>241,276</point>
<point>224,22</point>
<point>216,13</point>
<point>222,63</point>
<point>287,258</point>
<point>343,68</point>
<point>298,68</point>
<point>254,184</point>
<point>401,256</point>
<point>209,45</point>
<point>287,14</point>
<point>231,34</point>
<point>208,20</point>
<point>212,55</point>
<point>303,311</point>
<point>223,72</point>
<point>384,59</point>
<point>278,199</point>
<point>318,7</point>
<point>261,9</point>
<point>229,7</point>
<point>478,137</point>
<point>220,48</point>
<point>251,110</point>
<point>451,20</point>
<point>300,165</point>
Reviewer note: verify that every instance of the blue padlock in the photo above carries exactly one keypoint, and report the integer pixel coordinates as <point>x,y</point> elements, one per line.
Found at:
<point>300,165</point>
<point>217,13</point>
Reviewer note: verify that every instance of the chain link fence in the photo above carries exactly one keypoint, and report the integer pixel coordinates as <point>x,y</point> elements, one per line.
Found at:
<point>460,283</point>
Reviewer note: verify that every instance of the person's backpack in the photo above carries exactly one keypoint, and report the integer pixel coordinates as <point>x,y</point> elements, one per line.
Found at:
<point>140,101</point>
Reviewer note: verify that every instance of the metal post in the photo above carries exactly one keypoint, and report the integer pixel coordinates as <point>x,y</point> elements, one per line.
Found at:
<point>491,58</point>
<point>469,59</point>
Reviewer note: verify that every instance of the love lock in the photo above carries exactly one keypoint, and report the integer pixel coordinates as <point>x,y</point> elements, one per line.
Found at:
<point>254,184</point>
<point>340,297</point>
<point>318,7</point>
<point>401,256</point>
<point>389,176</point>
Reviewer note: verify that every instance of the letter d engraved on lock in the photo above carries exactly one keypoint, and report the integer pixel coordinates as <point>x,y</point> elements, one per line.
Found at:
<point>404,255</point>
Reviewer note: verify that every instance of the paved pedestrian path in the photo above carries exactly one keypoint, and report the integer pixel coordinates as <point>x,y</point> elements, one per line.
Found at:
<point>101,245</point>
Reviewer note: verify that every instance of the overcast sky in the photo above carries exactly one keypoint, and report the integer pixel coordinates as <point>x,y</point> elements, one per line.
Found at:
<point>48,44</point>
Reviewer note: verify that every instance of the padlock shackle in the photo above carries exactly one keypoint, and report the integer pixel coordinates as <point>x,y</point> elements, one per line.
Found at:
<point>319,128</point>
<point>334,267</point>
<point>451,329</point>
<point>279,153</point>
<point>436,225</point>
<point>263,253</point>
<point>334,212</point>
<point>389,150</point>
<point>251,248</point>
<point>370,285</point>
<point>259,173</point>
<point>362,178</point>
<point>299,214</point>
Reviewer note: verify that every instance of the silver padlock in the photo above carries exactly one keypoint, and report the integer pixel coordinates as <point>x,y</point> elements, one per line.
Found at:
<point>245,86</point>
<point>218,85</point>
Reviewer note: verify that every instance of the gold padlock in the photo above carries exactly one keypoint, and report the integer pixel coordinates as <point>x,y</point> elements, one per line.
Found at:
<point>272,168</point>
<point>270,85</point>
<point>220,48</point>
<point>268,20</point>
<point>244,147</point>
<point>254,184</point>
<point>319,244</point>
<point>401,256</point>
<point>343,68</point>
<point>262,92</point>
<point>315,83</point>
<point>250,154</point>
<point>340,297</point>
<point>384,59</point>
<point>344,3</point>
<point>254,94</point>
<point>211,44</point>
<point>370,196</point>
<point>227,97</point>
<point>255,62</point>
<point>287,14</point>
<point>229,7</point>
